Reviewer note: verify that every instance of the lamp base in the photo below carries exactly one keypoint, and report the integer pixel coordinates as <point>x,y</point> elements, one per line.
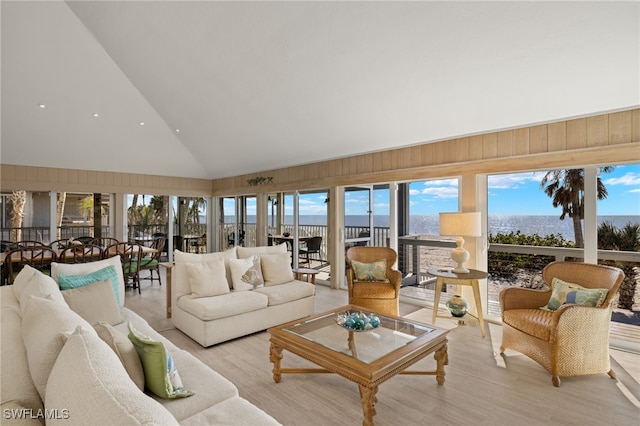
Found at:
<point>460,255</point>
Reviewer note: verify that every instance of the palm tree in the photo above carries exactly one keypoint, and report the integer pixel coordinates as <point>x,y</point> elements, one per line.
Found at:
<point>566,189</point>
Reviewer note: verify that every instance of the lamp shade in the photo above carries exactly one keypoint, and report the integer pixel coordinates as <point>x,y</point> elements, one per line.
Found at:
<point>464,224</point>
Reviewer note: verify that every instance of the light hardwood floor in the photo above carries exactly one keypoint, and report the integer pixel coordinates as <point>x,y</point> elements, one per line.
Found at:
<point>481,388</point>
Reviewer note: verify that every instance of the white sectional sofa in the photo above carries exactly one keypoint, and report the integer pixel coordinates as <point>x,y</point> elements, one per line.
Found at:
<point>57,367</point>
<point>220,296</point>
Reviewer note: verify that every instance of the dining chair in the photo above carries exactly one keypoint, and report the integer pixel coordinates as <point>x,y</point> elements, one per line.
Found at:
<point>130,254</point>
<point>151,261</point>
<point>80,253</point>
<point>30,243</point>
<point>39,258</point>
<point>59,244</point>
<point>104,242</point>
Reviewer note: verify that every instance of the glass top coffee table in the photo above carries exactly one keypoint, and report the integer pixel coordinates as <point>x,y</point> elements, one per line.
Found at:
<point>367,358</point>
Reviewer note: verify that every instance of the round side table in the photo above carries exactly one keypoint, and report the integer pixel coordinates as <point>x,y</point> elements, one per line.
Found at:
<point>306,274</point>
<point>444,276</point>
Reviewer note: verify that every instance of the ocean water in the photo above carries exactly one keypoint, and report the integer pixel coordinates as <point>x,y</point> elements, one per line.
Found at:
<point>428,224</point>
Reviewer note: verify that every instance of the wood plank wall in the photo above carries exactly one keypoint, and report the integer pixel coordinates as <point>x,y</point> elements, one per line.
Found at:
<point>600,139</point>
<point>578,142</point>
<point>14,177</point>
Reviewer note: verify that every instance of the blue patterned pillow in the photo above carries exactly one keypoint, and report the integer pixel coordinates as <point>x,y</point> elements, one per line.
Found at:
<point>565,293</point>
<point>376,271</point>
<point>67,282</point>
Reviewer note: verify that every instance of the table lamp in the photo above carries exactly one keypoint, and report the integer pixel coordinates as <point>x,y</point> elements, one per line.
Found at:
<point>459,225</point>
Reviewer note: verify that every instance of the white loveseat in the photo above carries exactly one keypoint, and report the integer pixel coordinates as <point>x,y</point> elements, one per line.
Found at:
<point>57,368</point>
<point>217,296</point>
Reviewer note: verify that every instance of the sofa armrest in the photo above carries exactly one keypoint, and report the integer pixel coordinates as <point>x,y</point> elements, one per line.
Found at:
<point>523,298</point>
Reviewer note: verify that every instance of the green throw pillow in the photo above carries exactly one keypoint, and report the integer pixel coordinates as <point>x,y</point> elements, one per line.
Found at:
<point>565,293</point>
<point>67,282</point>
<point>376,271</point>
<point>160,373</point>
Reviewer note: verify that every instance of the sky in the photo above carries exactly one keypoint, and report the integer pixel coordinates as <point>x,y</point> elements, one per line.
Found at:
<point>509,194</point>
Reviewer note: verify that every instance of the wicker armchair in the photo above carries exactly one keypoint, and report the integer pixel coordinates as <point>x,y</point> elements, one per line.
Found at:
<point>380,297</point>
<point>574,339</point>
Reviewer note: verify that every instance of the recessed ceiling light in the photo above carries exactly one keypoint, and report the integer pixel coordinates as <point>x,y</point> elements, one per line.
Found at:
<point>141,123</point>
<point>177,130</point>
<point>42,105</point>
<point>95,114</point>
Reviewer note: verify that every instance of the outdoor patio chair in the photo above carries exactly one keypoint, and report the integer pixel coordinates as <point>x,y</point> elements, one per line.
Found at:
<point>566,336</point>
<point>311,246</point>
<point>372,282</point>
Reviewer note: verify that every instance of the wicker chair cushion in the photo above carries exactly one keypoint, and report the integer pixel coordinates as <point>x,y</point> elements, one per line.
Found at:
<point>535,322</point>
<point>373,290</point>
<point>574,294</point>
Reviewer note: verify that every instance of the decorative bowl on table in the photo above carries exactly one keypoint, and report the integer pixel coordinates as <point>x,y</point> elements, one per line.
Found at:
<point>358,321</point>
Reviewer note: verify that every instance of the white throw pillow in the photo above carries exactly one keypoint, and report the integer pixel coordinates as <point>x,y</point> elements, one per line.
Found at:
<point>276,269</point>
<point>246,274</point>
<point>180,278</point>
<point>124,349</point>
<point>94,302</point>
<point>44,324</point>
<point>91,386</point>
<point>244,252</point>
<point>89,267</point>
<point>207,279</point>
<point>30,281</point>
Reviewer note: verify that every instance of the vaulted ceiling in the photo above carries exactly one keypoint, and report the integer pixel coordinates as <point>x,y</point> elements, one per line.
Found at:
<point>253,86</point>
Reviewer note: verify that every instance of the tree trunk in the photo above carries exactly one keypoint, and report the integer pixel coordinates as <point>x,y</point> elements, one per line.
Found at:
<point>577,231</point>
<point>18,200</point>
<point>62,198</point>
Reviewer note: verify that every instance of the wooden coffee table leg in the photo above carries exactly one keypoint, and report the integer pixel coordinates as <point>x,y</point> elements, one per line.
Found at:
<point>368,399</point>
<point>275,355</point>
<point>442,358</point>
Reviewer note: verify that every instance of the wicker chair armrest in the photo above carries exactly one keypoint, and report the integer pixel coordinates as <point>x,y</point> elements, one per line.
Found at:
<point>523,298</point>
<point>396,279</point>
<point>593,321</point>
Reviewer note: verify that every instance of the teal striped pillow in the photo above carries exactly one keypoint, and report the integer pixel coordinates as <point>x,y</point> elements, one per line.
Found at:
<point>74,281</point>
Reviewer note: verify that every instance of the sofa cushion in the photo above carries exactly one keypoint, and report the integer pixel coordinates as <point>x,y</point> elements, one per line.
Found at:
<point>94,302</point>
<point>227,305</point>
<point>574,294</point>
<point>160,373</point>
<point>287,292</point>
<point>232,411</point>
<point>534,322</point>
<point>209,386</point>
<point>246,274</point>
<point>207,279</point>
<point>88,268</point>
<point>44,323</point>
<point>89,382</point>
<point>30,281</point>
<point>276,268</point>
<point>124,350</point>
<point>244,252</point>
